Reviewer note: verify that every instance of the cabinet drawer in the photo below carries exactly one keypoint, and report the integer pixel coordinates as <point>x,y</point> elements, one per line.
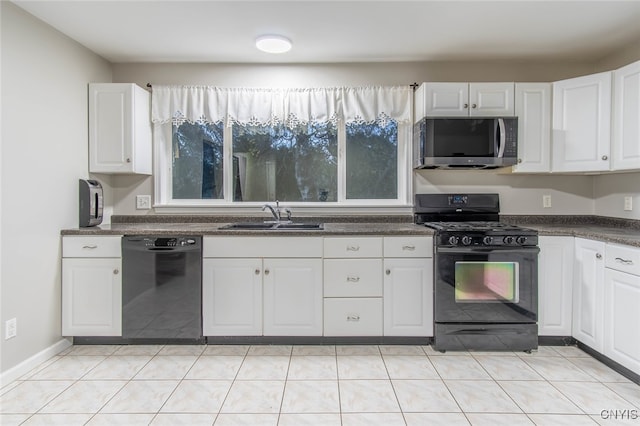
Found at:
<point>353,247</point>
<point>353,278</point>
<point>239,247</point>
<point>353,317</point>
<point>95,246</point>
<point>408,247</point>
<point>623,258</point>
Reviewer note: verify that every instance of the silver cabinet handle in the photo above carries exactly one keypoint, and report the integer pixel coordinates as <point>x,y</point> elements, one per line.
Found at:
<point>116,271</point>
<point>128,160</point>
<point>473,106</point>
<point>257,271</point>
<point>91,247</point>
<point>519,160</point>
<point>598,256</point>
<point>388,272</point>
<point>353,279</point>
<point>466,106</point>
<point>266,272</point>
<point>353,248</point>
<point>354,317</point>
<point>624,261</point>
<point>408,248</point>
<point>605,158</point>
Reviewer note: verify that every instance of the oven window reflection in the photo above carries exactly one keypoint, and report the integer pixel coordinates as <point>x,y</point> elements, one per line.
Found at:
<point>486,282</point>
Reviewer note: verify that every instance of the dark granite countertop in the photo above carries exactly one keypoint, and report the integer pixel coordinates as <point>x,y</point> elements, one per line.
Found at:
<point>613,230</point>
<point>213,228</point>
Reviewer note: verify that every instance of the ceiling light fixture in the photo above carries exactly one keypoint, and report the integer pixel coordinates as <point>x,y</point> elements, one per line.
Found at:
<point>273,44</point>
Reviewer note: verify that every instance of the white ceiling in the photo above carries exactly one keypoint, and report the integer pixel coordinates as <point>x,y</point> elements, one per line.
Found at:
<point>344,31</point>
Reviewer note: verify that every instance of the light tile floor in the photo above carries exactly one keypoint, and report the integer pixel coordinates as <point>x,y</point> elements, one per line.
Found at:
<point>318,385</point>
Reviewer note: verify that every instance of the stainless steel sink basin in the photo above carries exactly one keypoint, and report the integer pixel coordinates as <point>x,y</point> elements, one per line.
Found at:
<point>265,226</point>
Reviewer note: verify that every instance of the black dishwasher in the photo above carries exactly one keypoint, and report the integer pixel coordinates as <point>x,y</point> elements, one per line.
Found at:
<point>162,289</point>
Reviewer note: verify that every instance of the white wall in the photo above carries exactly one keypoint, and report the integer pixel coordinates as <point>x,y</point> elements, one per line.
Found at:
<point>44,152</point>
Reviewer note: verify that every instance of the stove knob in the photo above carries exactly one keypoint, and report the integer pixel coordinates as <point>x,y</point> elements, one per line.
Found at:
<point>453,240</point>
<point>508,240</point>
<point>487,241</point>
<point>521,240</point>
<point>466,240</point>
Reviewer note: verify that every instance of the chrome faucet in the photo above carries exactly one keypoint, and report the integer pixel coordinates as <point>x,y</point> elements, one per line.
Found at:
<point>274,211</point>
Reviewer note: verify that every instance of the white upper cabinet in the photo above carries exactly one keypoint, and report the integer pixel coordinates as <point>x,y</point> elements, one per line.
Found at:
<point>464,99</point>
<point>581,131</point>
<point>626,122</point>
<point>533,109</point>
<point>119,129</point>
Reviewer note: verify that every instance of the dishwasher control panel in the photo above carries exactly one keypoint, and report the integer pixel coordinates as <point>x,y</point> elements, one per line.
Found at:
<point>169,242</point>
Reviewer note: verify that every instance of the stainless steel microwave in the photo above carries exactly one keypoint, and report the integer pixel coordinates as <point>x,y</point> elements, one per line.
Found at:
<point>473,143</point>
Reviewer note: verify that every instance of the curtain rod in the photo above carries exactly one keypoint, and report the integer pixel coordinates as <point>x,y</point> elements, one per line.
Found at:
<point>413,85</point>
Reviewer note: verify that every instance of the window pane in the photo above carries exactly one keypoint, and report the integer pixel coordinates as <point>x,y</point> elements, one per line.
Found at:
<point>276,163</point>
<point>372,161</point>
<point>197,161</point>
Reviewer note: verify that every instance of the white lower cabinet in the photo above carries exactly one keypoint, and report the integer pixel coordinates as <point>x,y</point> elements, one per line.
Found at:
<point>253,286</point>
<point>232,297</point>
<point>621,306</point>
<point>408,297</point>
<point>353,286</point>
<point>292,297</point>
<point>588,292</point>
<point>555,279</point>
<point>91,286</point>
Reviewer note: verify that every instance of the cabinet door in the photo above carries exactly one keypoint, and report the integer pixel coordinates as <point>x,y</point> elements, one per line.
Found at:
<point>491,99</point>
<point>446,99</point>
<point>91,297</point>
<point>626,125</point>
<point>119,129</point>
<point>582,123</point>
<point>408,297</point>
<point>533,109</point>
<point>555,278</point>
<point>232,297</point>
<point>588,292</point>
<point>292,297</point>
<point>622,318</point>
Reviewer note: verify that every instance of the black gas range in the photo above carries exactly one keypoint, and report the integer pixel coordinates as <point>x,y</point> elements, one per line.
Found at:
<point>485,274</point>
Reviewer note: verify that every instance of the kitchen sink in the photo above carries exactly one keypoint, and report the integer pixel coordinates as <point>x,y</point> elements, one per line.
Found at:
<point>265,226</point>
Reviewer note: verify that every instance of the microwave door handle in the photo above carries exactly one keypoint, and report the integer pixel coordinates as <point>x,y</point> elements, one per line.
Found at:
<point>502,138</point>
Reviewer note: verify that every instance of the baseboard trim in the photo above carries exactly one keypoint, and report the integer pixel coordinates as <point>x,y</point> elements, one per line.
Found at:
<point>634,377</point>
<point>30,363</point>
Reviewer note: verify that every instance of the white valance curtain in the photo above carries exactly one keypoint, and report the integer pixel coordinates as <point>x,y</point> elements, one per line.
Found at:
<point>247,106</point>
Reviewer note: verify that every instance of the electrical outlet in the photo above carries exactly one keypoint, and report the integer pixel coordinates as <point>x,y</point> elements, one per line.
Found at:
<point>11,329</point>
<point>143,202</point>
<point>546,201</point>
<point>628,203</point>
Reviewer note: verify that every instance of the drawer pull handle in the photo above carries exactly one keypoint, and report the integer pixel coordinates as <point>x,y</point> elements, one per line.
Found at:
<point>91,247</point>
<point>355,317</point>
<point>353,279</point>
<point>266,272</point>
<point>409,248</point>
<point>624,261</point>
<point>598,256</point>
<point>116,272</point>
<point>257,271</point>
<point>353,248</point>
<point>388,272</point>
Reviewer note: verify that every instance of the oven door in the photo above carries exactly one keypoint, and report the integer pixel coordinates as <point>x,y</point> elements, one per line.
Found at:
<point>486,285</point>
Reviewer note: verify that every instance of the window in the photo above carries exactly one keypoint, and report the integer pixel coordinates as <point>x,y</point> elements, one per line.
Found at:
<point>306,147</point>
<point>278,163</point>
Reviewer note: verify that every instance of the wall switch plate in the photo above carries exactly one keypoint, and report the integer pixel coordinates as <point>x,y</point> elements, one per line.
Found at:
<point>628,203</point>
<point>11,329</point>
<point>143,202</point>
<point>546,201</point>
